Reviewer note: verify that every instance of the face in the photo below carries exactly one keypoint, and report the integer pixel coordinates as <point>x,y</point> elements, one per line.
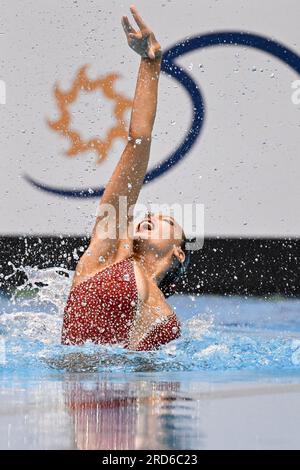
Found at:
<point>158,232</point>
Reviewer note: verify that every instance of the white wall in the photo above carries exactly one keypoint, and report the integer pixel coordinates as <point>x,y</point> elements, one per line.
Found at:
<point>244,166</point>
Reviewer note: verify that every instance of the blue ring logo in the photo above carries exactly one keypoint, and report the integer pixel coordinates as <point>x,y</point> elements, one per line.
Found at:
<point>221,38</point>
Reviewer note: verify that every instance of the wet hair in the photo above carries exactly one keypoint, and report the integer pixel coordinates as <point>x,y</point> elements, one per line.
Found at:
<point>176,275</point>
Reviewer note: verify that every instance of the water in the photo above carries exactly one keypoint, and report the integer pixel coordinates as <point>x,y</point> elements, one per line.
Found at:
<point>236,366</point>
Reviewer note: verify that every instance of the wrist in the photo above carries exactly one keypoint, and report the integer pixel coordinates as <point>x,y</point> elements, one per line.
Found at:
<point>155,61</point>
<point>157,58</point>
<point>158,54</point>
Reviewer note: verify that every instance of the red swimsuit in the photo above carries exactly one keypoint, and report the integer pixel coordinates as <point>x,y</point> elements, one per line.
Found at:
<point>102,309</point>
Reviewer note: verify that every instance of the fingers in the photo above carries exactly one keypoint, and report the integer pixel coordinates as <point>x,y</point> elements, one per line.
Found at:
<point>135,35</point>
<point>127,26</point>
<point>141,24</point>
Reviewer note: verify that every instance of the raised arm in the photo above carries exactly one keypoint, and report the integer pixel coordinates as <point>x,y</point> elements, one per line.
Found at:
<point>128,176</point>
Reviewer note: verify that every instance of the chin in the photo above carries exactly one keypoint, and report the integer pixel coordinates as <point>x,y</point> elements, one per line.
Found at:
<point>143,244</point>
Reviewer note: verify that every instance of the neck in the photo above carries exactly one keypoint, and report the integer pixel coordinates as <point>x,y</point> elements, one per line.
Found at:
<point>153,266</point>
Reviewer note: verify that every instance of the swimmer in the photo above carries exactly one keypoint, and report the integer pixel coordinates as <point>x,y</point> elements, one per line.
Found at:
<point>118,293</point>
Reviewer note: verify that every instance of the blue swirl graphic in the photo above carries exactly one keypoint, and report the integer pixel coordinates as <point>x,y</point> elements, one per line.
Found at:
<point>220,38</point>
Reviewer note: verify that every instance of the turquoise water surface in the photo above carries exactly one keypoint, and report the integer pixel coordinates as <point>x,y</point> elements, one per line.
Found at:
<point>218,334</point>
<point>232,381</point>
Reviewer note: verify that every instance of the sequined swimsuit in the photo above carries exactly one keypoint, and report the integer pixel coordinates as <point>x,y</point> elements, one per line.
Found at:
<point>103,308</point>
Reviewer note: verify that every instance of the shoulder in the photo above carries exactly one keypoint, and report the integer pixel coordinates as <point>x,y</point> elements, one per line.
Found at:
<point>95,259</point>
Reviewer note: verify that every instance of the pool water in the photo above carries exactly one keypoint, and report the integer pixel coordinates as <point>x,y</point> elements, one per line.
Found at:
<point>231,381</point>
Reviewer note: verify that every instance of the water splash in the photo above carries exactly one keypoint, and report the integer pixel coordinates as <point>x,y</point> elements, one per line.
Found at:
<point>218,334</point>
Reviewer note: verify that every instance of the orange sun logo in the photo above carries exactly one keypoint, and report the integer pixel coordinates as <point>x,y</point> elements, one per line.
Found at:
<point>63,124</point>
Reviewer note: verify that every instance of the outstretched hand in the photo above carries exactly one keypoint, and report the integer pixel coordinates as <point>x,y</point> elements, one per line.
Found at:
<point>143,41</point>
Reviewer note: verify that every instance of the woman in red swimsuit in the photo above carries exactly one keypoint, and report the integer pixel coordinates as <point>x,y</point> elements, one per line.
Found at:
<point>121,281</point>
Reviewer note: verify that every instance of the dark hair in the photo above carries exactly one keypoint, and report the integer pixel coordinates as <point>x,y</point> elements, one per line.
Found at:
<point>169,285</point>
